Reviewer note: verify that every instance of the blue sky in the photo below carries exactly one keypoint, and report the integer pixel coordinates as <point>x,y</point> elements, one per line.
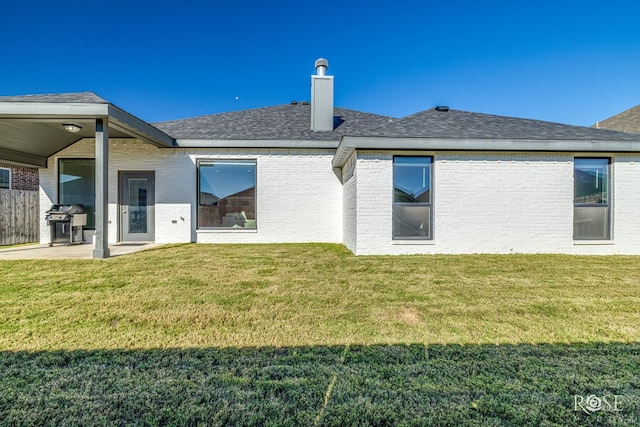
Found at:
<point>567,61</point>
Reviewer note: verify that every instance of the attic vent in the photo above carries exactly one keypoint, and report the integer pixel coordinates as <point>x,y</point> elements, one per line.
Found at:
<point>294,102</point>
<point>305,102</point>
<point>442,108</point>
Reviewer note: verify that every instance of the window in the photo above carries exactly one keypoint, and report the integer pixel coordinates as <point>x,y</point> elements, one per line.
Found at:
<point>412,197</point>
<point>5,178</point>
<point>77,185</point>
<point>591,199</point>
<point>227,194</point>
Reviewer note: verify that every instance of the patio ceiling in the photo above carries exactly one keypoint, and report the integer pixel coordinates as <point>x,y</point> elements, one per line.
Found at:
<point>31,131</point>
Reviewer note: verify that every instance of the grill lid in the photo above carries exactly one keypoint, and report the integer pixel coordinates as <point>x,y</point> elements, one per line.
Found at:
<point>66,209</point>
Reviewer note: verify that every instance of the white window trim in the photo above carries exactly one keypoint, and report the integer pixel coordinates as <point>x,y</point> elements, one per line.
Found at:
<point>226,230</point>
<point>594,243</point>
<point>416,242</point>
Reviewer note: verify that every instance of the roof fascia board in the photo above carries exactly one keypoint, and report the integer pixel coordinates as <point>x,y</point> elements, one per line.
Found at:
<point>255,143</point>
<point>30,110</point>
<point>350,144</point>
<point>18,157</point>
<point>137,128</point>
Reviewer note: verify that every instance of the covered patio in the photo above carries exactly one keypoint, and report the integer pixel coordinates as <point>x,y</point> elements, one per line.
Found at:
<point>35,127</point>
<point>84,251</point>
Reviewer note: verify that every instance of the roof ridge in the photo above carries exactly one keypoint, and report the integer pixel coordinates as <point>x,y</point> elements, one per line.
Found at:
<point>625,121</point>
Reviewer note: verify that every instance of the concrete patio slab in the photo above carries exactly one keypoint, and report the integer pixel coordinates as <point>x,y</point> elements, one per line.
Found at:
<point>83,251</point>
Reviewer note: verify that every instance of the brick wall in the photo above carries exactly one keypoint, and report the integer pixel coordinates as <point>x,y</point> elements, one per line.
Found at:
<point>482,202</point>
<point>22,178</point>
<point>496,203</point>
<point>350,205</point>
<point>299,197</point>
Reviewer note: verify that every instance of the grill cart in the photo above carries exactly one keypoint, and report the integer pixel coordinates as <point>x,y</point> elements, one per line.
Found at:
<point>66,224</point>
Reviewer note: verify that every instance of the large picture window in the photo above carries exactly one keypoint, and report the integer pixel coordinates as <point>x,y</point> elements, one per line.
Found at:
<point>591,200</point>
<point>227,194</point>
<point>77,185</point>
<point>5,178</point>
<point>412,205</point>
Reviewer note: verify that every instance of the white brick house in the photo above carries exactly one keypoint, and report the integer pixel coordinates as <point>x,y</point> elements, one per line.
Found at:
<point>440,181</point>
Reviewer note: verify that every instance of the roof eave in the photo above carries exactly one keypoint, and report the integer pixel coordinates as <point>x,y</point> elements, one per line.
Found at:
<point>256,143</point>
<point>20,158</point>
<point>52,110</point>
<point>117,117</point>
<point>139,128</point>
<point>349,144</point>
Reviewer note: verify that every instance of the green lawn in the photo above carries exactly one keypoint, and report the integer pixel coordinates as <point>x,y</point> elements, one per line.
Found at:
<point>311,335</point>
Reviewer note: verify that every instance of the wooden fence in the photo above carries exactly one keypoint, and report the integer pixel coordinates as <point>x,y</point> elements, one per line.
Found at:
<point>19,217</point>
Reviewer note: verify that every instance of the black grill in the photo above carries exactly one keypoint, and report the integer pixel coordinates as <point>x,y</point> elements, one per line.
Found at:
<point>66,224</point>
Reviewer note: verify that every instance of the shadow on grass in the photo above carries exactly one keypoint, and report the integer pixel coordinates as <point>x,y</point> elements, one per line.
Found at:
<point>356,385</point>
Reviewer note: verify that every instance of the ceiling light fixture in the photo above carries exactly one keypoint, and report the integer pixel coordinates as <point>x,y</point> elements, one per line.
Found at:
<point>70,127</point>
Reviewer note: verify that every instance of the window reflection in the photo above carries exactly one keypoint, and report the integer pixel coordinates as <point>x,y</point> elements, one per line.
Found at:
<point>591,211</point>
<point>412,197</point>
<point>76,181</point>
<point>227,194</point>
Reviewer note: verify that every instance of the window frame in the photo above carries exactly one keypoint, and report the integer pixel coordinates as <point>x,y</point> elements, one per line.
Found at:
<point>2,168</point>
<point>429,204</point>
<point>201,161</point>
<point>607,205</point>
<point>59,186</point>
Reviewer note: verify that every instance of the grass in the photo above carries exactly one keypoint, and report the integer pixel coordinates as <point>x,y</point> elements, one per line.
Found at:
<point>451,385</point>
<point>300,295</point>
<point>309,334</point>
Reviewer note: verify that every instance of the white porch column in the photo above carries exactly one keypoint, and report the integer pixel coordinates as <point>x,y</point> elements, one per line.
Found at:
<point>101,249</point>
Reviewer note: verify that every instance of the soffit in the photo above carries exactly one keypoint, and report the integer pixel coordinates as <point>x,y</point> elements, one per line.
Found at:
<point>32,131</point>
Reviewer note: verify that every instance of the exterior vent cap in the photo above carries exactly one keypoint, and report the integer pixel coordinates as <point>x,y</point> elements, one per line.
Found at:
<point>321,62</point>
<point>321,66</point>
<point>442,108</point>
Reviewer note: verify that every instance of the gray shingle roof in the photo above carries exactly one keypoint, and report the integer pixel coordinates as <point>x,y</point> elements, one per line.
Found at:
<point>292,122</point>
<point>456,124</point>
<point>75,97</point>
<point>627,121</point>
<point>283,122</point>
